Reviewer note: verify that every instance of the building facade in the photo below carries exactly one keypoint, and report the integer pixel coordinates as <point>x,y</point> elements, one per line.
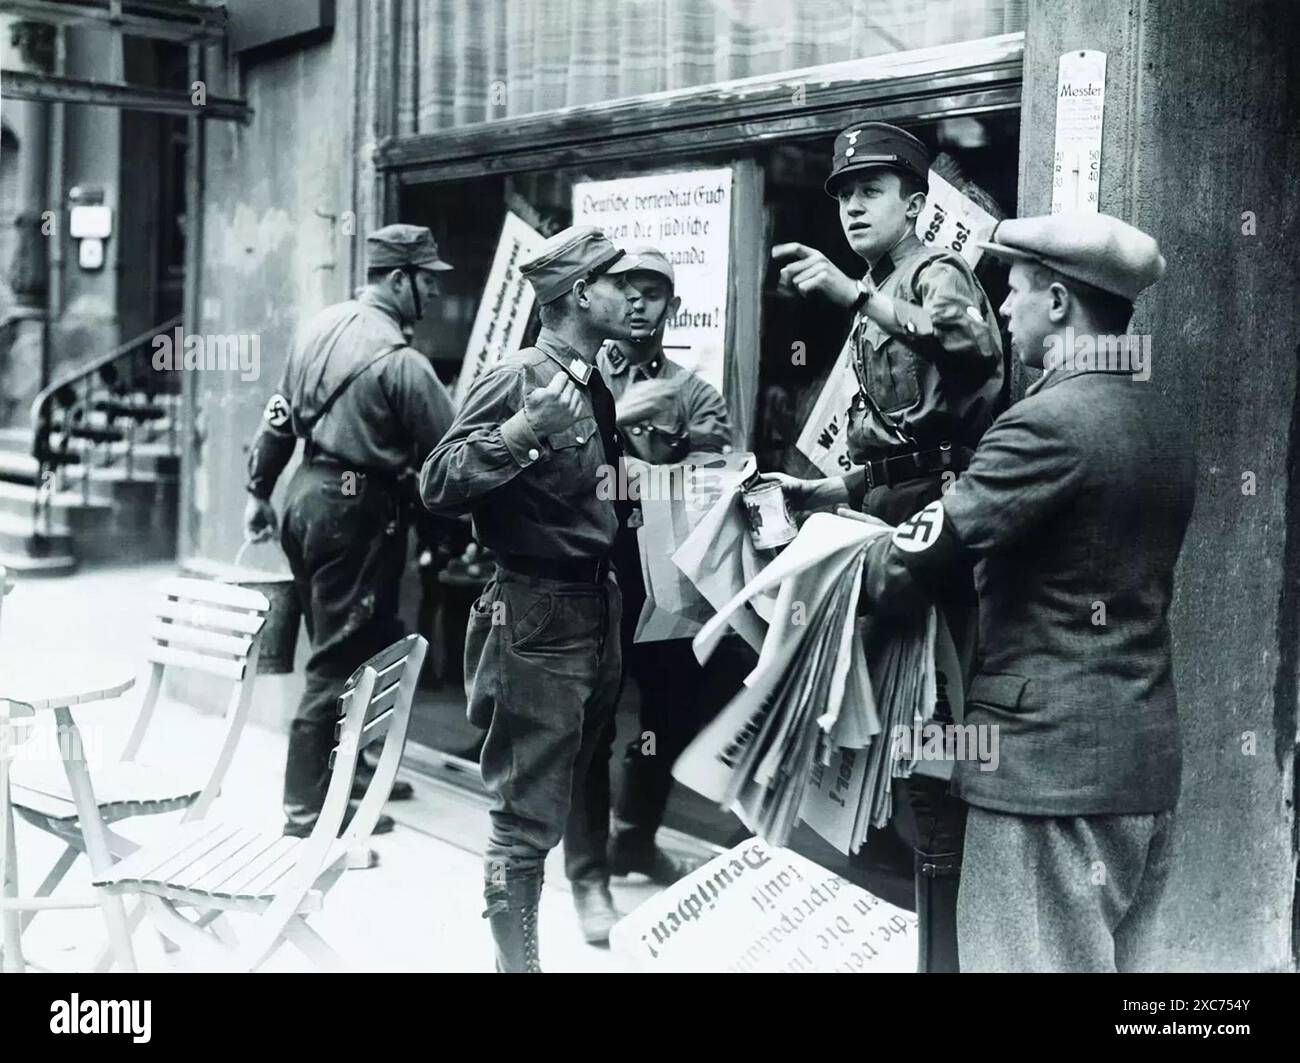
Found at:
<point>452,113</point>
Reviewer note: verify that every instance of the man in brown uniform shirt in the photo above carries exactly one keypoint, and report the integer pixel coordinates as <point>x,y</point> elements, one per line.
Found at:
<point>525,455</point>
<point>928,356</point>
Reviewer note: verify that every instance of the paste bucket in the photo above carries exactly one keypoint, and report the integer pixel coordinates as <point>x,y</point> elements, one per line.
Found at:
<point>280,632</point>
<point>770,523</point>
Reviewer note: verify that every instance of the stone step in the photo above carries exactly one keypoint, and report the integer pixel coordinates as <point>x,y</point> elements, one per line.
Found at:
<point>16,538</point>
<point>68,509</point>
<point>151,460</point>
<point>22,564</point>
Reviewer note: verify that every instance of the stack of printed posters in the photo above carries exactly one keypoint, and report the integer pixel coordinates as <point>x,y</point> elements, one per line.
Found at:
<point>825,722</point>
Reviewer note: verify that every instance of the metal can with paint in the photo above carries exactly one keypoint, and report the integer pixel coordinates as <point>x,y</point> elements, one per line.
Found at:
<point>770,523</point>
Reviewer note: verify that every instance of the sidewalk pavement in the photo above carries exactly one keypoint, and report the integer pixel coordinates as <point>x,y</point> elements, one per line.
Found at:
<point>419,910</point>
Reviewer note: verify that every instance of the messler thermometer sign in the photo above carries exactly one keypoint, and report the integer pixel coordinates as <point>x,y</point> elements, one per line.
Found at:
<point>1080,102</point>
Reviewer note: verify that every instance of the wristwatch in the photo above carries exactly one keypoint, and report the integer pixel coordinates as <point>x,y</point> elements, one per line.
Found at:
<point>865,291</point>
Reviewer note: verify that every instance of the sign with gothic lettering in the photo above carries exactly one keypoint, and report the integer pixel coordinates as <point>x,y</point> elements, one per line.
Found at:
<point>760,909</point>
<point>687,216</point>
<point>503,311</point>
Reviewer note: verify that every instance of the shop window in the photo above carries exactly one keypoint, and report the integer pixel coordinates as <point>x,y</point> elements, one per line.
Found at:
<point>467,61</point>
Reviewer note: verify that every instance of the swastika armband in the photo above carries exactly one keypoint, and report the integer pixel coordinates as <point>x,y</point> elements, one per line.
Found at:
<point>277,413</point>
<point>926,539</point>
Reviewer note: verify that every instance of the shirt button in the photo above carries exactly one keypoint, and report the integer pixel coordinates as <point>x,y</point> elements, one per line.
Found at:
<point>581,440</point>
<point>533,454</point>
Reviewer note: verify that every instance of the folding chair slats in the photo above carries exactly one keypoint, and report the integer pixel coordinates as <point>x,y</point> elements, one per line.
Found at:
<point>214,592</point>
<point>379,704</point>
<point>201,639</point>
<point>270,858</point>
<point>394,654</point>
<point>221,863</point>
<point>224,667</point>
<point>384,677</point>
<point>196,614</point>
<point>376,729</point>
<point>261,886</point>
<point>155,863</point>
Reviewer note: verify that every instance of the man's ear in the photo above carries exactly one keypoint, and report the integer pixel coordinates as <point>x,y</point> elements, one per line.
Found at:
<point>1058,309</point>
<point>580,295</point>
<point>915,205</point>
<point>674,304</point>
<point>395,278</point>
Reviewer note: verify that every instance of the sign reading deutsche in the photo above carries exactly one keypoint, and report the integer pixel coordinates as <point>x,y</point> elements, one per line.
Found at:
<point>687,216</point>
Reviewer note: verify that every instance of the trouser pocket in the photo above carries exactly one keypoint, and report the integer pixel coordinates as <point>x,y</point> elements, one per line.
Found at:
<point>485,616</point>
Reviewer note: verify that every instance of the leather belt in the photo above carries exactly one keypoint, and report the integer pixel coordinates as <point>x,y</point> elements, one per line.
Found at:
<point>552,568</point>
<point>314,455</point>
<point>915,465</point>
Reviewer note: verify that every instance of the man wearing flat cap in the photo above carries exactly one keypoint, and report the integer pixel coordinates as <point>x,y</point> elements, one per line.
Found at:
<point>368,407</point>
<point>1074,505</point>
<point>526,454</point>
<point>928,356</point>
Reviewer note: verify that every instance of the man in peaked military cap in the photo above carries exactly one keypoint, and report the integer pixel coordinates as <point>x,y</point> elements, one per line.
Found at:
<point>666,413</point>
<point>928,357</point>
<point>1075,505</point>
<point>369,407</point>
<point>526,455</point>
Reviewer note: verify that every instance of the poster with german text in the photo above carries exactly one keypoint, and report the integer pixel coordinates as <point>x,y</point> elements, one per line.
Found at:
<point>503,311</point>
<point>687,216</point>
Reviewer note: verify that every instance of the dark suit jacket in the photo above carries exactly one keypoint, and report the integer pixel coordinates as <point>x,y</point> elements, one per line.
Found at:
<point>1075,502</point>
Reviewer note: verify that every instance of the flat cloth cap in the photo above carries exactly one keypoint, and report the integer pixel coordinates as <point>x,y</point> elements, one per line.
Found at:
<point>1094,248</point>
<point>873,145</point>
<point>395,246</point>
<point>570,255</point>
<point>648,260</point>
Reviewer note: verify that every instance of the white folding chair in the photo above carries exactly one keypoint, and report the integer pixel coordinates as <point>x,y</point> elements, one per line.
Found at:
<point>211,867</point>
<point>198,625</point>
<point>16,720</point>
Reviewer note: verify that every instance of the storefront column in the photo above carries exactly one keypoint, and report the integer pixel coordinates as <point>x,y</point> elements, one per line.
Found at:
<point>1199,125</point>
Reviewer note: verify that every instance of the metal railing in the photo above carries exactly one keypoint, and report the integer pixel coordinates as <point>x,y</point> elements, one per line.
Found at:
<point>96,416</point>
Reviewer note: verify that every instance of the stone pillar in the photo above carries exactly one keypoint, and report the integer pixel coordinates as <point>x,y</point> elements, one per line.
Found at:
<point>1200,148</point>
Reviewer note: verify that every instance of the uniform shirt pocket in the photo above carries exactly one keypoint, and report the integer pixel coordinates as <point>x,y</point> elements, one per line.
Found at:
<point>579,434</point>
<point>889,368</point>
<point>576,459</point>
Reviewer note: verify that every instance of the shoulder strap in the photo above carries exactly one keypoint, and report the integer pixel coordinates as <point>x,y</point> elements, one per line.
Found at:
<point>307,424</point>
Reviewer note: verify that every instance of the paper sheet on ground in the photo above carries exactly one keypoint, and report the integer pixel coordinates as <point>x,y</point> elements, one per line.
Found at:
<point>761,909</point>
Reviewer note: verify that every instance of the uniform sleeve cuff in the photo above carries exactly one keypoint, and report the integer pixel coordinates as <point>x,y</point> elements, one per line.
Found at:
<point>522,441</point>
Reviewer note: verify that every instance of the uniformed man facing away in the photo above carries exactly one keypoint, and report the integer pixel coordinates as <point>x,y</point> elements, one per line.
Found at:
<point>928,356</point>
<point>369,408</point>
<point>527,455</point>
<point>1075,504</point>
<point>666,413</point>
